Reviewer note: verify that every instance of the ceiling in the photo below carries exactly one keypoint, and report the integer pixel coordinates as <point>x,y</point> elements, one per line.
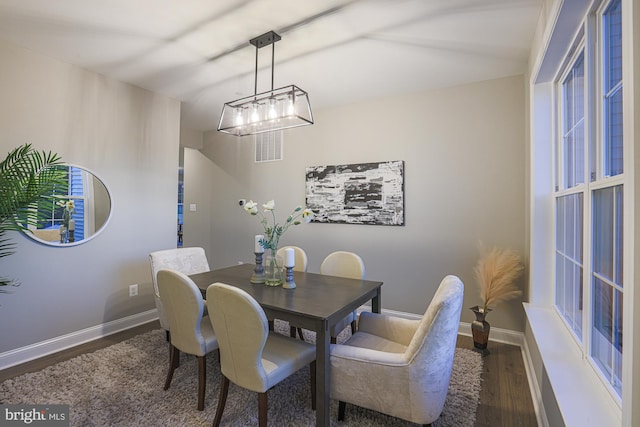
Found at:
<point>339,51</point>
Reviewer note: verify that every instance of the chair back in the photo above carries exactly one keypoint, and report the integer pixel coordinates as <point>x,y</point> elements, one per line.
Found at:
<point>432,349</point>
<point>301,259</point>
<point>184,260</point>
<point>242,330</point>
<point>343,264</point>
<point>184,306</point>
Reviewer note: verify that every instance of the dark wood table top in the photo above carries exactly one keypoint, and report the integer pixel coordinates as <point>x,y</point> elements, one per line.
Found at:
<point>316,296</point>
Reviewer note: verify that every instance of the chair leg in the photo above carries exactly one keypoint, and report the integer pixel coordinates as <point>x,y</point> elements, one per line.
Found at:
<point>262,409</point>
<point>292,331</point>
<point>222,400</point>
<point>202,380</point>
<point>174,358</point>
<point>334,340</point>
<point>167,335</point>
<point>271,325</point>
<point>353,327</point>
<point>312,372</point>
<point>341,406</point>
<point>301,334</point>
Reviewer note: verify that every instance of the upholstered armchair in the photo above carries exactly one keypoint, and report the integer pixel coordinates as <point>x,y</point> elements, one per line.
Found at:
<point>398,366</point>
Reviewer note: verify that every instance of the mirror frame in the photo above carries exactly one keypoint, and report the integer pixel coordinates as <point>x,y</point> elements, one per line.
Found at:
<point>29,234</point>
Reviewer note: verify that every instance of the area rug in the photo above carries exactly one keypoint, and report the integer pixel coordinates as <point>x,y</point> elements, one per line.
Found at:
<point>122,385</point>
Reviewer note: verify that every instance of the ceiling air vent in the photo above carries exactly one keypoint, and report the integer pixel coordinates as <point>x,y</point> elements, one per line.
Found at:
<point>268,146</point>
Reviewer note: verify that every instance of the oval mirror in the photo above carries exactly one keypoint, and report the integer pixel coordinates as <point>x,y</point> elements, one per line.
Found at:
<point>80,211</point>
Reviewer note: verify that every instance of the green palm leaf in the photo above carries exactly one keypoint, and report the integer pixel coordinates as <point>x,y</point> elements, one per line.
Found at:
<point>29,181</point>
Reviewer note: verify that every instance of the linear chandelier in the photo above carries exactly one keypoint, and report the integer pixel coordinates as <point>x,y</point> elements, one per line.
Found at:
<point>277,109</point>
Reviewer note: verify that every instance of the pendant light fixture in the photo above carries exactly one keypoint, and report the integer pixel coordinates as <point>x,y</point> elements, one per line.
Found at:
<point>277,109</point>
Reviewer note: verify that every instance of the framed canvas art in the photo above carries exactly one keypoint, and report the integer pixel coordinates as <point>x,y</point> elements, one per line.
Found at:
<point>362,193</point>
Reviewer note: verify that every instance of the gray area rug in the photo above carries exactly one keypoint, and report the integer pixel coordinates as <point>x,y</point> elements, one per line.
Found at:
<point>122,385</point>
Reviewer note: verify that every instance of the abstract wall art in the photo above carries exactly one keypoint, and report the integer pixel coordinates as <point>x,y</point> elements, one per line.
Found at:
<point>362,193</point>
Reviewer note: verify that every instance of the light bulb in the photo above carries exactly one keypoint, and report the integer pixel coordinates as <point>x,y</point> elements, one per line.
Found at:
<point>273,114</point>
<point>255,116</point>
<point>239,121</point>
<point>290,106</point>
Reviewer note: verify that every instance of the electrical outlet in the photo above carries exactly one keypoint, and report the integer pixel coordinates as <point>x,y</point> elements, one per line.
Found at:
<point>133,290</point>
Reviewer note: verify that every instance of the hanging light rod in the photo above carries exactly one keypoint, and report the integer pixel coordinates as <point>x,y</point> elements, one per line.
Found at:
<point>276,109</point>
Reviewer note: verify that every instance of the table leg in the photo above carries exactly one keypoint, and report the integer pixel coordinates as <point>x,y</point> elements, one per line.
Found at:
<point>376,304</point>
<point>323,369</point>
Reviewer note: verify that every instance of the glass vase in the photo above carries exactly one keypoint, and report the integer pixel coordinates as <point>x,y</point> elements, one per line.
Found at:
<point>272,269</point>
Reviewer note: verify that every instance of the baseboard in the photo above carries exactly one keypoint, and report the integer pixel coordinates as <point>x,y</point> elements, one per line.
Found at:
<point>53,345</point>
<point>534,387</point>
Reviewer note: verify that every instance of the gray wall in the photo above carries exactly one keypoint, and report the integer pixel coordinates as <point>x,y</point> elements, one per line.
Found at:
<point>129,137</point>
<point>464,153</point>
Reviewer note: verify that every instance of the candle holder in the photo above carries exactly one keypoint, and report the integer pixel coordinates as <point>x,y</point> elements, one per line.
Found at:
<point>288,282</point>
<point>258,275</point>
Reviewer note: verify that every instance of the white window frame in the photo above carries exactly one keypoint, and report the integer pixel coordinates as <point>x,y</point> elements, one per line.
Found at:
<point>588,41</point>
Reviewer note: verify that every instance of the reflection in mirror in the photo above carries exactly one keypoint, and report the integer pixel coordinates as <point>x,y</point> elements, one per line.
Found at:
<point>82,209</point>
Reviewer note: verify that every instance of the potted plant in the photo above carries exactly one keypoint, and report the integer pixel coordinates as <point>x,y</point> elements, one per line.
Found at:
<point>495,273</point>
<point>28,181</point>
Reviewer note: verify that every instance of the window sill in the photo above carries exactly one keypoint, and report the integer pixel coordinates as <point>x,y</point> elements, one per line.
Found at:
<point>581,397</point>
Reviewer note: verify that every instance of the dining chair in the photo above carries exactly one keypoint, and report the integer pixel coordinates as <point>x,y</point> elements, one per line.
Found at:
<point>301,258</point>
<point>301,264</point>
<point>191,331</point>
<point>252,356</point>
<point>185,260</point>
<point>349,265</point>
<point>397,366</point>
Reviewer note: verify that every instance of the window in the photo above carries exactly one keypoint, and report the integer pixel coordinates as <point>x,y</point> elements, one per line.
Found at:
<point>76,181</point>
<point>569,202</point>
<point>589,208</point>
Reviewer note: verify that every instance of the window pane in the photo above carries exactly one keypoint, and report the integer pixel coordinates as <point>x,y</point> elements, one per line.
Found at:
<point>569,268</point>
<point>607,233</point>
<point>612,68</point>
<point>613,44</point>
<point>602,321</point>
<point>606,334</point>
<point>613,133</point>
<point>618,277</point>
<point>603,222</point>
<point>572,163</point>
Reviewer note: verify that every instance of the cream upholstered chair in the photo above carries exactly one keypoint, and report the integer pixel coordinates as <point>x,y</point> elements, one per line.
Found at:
<point>184,260</point>
<point>343,264</point>
<point>300,257</point>
<point>302,262</point>
<point>251,356</point>
<point>191,332</point>
<point>397,366</point>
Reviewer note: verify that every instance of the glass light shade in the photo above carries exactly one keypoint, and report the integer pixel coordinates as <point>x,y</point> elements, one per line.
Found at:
<point>277,109</point>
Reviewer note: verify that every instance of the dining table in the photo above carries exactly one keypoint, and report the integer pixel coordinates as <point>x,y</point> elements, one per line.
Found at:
<point>317,303</point>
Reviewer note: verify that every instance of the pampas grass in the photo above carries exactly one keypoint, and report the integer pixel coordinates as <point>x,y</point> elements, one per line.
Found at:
<point>496,271</point>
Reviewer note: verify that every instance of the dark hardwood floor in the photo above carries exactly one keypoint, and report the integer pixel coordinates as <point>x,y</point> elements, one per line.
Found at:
<point>505,399</point>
